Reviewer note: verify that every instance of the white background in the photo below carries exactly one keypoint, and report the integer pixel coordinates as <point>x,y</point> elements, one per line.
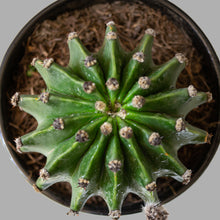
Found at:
<point>17,198</point>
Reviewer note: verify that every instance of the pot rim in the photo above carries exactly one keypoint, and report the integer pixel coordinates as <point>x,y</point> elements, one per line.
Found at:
<point>170,9</point>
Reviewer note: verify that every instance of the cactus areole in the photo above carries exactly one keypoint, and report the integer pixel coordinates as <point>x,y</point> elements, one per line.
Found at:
<point>111,123</point>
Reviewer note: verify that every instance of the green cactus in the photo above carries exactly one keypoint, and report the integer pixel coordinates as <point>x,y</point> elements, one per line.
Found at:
<point>111,123</point>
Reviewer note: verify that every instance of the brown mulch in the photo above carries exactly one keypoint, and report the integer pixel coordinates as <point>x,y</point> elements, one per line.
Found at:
<point>132,19</point>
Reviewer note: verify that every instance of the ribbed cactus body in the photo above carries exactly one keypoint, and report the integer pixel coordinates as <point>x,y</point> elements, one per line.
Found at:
<point>111,123</point>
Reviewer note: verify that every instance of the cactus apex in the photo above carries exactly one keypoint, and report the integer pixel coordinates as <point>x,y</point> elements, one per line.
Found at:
<point>180,125</point>
<point>151,32</point>
<point>112,84</point>
<point>144,82</point>
<point>115,214</point>
<point>126,132</point>
<point>139,56</point>
<point>111,35</point>
<point>117,105</point>
<point>19,144</point>
<point>48,62</point>
<point>110,23</point>
<point>192,91</point>
<point>72,35</point>
<point>187,177</point>
<point>106,128</point>
<point>89,87</point>
<point>155,212</point>
<point>114,165</point>
<point>138,101</point>
<point>181,58</point>
<point>155,139</point>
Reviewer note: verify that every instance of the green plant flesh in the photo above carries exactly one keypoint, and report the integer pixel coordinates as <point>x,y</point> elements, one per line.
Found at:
<point>111,123</point>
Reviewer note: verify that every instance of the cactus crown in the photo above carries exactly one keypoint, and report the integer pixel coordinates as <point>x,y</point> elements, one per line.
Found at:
<point>111,123</point>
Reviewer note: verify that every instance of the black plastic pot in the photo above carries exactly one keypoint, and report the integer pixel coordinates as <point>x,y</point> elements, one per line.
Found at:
<point>16,51</point>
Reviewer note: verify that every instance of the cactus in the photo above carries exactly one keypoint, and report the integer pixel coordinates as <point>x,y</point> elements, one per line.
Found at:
<point>111,123</point>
